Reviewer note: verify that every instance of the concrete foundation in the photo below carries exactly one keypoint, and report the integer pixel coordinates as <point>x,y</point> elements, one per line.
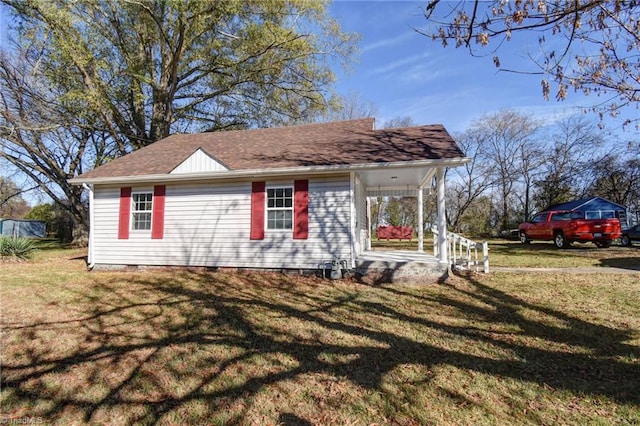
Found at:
<point>378,267</point>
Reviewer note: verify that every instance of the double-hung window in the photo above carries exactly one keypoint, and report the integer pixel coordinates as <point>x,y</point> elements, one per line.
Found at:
<point>142,207</point>
<point>280,208</point>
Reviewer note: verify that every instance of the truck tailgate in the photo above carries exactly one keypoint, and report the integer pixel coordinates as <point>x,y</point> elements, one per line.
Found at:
<point>598,227</point>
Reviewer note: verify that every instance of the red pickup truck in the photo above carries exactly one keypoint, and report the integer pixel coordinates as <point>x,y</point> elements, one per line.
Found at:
<point>564,227</point>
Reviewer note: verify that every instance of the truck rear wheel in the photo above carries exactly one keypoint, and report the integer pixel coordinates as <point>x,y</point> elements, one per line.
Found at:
<point>559,240</point>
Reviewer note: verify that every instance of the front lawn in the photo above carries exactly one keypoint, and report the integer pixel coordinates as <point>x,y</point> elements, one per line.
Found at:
<point>544,254</point>
<point>202,347</point>
<point>538,254</point>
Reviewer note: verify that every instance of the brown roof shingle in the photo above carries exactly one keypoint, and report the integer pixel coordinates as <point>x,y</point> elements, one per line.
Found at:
<point>338,143</point>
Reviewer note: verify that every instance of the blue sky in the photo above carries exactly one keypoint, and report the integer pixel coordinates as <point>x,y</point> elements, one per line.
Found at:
<point>406,74</point>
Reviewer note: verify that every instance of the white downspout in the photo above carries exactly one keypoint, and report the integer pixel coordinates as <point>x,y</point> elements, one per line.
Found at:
<point>353,212</point>
<point>90,260</point>
<point>443,256</point>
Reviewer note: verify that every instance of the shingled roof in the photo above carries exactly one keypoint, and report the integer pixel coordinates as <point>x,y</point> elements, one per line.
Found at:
<point>352,142</point>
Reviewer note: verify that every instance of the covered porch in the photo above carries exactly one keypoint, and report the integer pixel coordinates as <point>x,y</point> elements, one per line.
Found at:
<point>413,180</point>
<point>416,179</point>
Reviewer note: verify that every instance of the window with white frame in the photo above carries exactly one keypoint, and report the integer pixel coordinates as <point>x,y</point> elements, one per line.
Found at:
<point>142,205</point>
<point>280,208</point>
<point>601,214</point>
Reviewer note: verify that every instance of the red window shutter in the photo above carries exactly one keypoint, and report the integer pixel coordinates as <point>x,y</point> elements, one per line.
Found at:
<point>157,215</point>
<point>257,210</point>
<point>125,213</point>
<point>301,209</point>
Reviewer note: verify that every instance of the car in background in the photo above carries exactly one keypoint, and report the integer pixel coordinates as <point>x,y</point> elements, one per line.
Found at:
<point>566,226</point>
<point>630,235</point>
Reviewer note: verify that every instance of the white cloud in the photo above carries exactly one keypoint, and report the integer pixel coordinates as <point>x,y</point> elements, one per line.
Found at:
<point>387,42</point>
<point>388,67</point>
<point>421,74</point>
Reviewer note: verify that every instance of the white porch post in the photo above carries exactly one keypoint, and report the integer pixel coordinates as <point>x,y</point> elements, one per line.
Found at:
<point>354,233</point>
<point>420,222</point>
<point>443,256</point>
<point>368,246</point>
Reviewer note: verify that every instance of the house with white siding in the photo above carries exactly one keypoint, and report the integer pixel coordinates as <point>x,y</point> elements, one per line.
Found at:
<point>277,198</point>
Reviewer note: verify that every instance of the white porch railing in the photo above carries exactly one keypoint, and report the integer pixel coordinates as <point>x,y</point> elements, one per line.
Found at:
<point>463,253</point>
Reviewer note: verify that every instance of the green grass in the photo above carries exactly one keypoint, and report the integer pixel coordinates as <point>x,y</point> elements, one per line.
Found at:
<point>539,254</point>
<point>201,347</point>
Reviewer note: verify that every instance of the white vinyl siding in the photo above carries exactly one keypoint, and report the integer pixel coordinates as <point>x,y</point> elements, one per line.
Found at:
<point>199,162</point>
<point>208,224</point>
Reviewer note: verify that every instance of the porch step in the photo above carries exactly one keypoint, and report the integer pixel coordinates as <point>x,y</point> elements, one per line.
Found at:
<point>378,267</point>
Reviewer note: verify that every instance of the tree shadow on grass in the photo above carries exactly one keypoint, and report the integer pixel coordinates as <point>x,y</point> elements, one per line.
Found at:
<point>631,263</point>
<point>197,346</point>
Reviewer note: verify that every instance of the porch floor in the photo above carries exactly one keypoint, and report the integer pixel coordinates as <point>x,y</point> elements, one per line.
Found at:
<point>381,266</point>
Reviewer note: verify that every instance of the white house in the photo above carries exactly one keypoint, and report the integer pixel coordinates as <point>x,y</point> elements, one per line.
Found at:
<point>278,198</point>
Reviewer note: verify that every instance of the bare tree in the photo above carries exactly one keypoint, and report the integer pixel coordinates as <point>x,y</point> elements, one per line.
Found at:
<point>467,184</point>
<point>11,202</point>
<point>592,46</point>
<point>567,162</point>
<point>509,141</point>
<point>349,107</point>
<point>617,178</point>
<point>40,137</point>
<point>398,122</point>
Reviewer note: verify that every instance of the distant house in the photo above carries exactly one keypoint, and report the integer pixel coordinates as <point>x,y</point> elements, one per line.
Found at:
<point>278,198</point>
<point>596,208</point>
<point>23,228</point>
